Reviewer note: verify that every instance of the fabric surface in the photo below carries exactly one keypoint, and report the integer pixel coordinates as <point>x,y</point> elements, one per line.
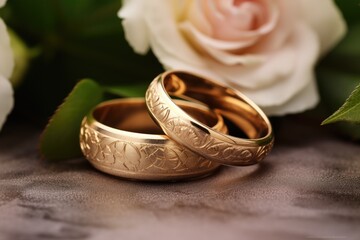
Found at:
<point>308,188</point>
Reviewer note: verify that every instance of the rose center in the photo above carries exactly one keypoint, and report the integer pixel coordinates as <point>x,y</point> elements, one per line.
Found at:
<point>246,15</point>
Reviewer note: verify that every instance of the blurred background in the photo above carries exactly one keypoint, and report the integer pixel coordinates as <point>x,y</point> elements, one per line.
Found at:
<point>66,41</point>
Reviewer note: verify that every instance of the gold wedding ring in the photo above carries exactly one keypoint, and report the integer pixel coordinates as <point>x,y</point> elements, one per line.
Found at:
<point>120,138</point>
<point>237,109</point>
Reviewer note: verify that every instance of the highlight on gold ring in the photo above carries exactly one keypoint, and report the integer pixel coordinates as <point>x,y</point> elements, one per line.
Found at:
<point>119,138</point>
<point>250,139</point>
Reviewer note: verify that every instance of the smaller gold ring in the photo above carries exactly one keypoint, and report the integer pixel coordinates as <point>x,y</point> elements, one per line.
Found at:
<point>119,138</point>
<point>237,109</point>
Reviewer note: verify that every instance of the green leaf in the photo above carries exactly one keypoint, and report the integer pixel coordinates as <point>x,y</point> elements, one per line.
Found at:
<point>350,111</point>
<point>60,140</point>
<point>21,56</point>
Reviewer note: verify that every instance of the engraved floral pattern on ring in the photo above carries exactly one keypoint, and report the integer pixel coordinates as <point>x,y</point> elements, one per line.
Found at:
<point>139,157</point>
<point>203,143</point>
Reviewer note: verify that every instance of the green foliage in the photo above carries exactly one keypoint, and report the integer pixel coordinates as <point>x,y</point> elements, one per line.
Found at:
<point>350,9</point>
<point>339,73</point>
<point>21,56</point>
<point>335,86</point>
<point>346,56</point>
<point>137,90</point>
<point>350,111</point>
<point>74,40</point>
<point>60,140</point>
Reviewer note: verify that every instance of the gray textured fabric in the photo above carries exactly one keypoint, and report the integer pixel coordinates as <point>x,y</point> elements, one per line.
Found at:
<point>308,188</point>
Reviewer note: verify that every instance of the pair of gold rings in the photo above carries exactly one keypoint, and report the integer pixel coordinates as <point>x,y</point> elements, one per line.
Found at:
<point>186,127</point>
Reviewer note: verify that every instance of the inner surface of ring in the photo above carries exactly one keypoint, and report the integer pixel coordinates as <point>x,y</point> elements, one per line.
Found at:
<point>230,105</point>
<point>133,116</point>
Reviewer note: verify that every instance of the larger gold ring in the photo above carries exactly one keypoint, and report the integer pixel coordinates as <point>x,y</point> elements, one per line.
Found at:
<point>209,143</point>
<point>120,138</point>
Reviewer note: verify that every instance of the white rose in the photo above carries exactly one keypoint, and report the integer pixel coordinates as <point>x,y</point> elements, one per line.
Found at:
<point>265,48</point>
<point>6,67</point>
